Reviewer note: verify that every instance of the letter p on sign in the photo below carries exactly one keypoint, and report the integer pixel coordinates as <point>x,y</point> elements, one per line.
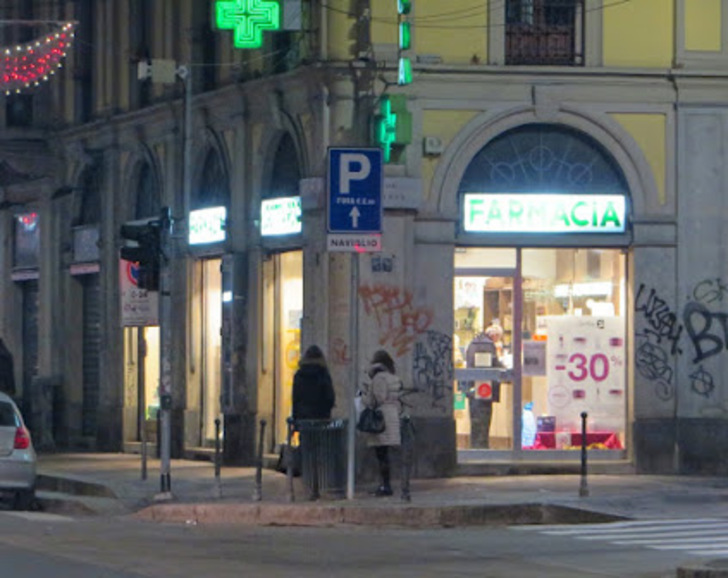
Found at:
<point>353,167</point>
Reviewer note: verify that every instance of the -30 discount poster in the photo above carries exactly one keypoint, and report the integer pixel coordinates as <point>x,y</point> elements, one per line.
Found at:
<point>586,372</point>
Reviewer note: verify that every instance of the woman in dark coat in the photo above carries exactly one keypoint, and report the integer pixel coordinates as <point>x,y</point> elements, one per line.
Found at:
<point>313,399</point>
<point>313,392</point>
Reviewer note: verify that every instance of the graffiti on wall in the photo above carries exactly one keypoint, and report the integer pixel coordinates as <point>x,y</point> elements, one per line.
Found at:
<point>663,330</point>
<point>432,366</point>
<point>400,322</point>
<point>340,354</point>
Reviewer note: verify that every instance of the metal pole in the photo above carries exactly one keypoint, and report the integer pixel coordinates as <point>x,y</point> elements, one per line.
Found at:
<point>258,492</point>
<point>289,461</point>
<point>407,450</point>
<point>165,321</point>
<point>217,450</point>
<point>583,488</point>
<point>354,377</point>
<point>144,450</point>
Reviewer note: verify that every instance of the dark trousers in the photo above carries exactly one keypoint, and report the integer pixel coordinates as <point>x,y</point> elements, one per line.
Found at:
<point>481,413</point>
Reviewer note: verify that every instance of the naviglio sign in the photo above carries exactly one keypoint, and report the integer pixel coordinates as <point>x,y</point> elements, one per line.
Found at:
<point>543,213</point>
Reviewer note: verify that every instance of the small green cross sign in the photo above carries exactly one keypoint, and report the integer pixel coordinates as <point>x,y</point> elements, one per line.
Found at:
<point>387,132</point>
<point>393,124</point>
<point>248,18</point>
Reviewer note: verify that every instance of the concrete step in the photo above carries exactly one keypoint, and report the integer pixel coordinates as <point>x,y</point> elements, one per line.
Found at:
<point>75,505</point>
<point>72,486</point>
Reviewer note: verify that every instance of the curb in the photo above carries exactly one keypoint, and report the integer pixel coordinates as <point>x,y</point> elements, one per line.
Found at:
<point>717,568</point>
<point>403,516</point>
<point>73,486</point>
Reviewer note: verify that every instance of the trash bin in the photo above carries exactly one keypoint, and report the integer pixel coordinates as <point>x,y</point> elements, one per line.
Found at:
<point>323,456</point>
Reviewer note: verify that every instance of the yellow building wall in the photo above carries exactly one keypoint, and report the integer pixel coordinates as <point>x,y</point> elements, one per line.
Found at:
<point>456,30</point>
<point>384,26</point>
<point>639,33</point>
<point>341,30</point>
<point>703,25</point>
<point>445,125</point>
<point>650,133</point>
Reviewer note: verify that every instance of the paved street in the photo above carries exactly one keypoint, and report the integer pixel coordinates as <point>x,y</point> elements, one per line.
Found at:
<point>33,544</point>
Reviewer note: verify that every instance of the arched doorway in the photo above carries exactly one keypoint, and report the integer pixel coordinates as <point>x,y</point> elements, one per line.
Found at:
<point>89,220</point>
<point>540,312</point>
<point>210,303</point>
<point>282,272</point>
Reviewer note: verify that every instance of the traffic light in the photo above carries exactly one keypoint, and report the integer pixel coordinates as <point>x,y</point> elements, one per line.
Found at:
<point>146,254</point>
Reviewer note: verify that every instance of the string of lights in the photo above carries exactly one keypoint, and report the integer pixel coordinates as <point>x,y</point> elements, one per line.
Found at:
<point>28,64</point>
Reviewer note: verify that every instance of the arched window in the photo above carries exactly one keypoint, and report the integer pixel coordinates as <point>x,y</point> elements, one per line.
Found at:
<point>543,158</point>
<point>286,172</point>
<point>91,197</point>
<point>213,189</point>
<point>147,194</point>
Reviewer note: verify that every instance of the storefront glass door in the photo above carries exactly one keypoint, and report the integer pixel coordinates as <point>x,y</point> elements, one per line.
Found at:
<point>570,307</point>
<point>281,340</point>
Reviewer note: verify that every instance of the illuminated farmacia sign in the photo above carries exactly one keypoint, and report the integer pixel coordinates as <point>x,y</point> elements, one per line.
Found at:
<point>280,216</point>
<point>543,213</point>
<point>207,225</point>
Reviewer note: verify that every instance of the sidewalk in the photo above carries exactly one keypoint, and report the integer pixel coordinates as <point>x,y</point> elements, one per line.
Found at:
<point>111,484</point>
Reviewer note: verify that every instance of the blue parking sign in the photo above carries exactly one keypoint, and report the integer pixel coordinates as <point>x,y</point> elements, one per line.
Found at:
<point>355,190</point>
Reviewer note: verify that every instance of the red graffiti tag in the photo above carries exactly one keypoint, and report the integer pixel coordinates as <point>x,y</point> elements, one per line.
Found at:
<point>399,321</point>
<point>340,352</point>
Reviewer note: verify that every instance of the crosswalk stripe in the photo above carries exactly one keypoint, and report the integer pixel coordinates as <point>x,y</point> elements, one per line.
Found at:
<point>699,537</point>
<point>625,524</point>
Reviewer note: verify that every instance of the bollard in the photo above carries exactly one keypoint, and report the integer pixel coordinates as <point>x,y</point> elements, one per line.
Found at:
<point>407,452</point>
<point>159,433</point>
<point>217,450</point>
<point>144,450</point>
<point>258,492</point>
<point>289,461</point>
<point>583,488</point>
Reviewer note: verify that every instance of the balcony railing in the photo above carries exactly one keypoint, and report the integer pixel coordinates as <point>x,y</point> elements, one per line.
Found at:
<point>545,32</point>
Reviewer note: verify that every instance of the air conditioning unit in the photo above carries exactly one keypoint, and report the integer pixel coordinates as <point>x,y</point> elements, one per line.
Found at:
<point>433,145</point>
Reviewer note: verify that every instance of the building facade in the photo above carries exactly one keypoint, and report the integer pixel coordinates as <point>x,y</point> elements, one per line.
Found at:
<point>555,169</point>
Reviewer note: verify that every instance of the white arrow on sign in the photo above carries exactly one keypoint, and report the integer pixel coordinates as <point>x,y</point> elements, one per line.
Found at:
<point>354,214</point>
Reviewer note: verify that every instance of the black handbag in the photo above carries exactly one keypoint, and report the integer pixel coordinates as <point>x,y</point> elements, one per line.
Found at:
<point>371,420</point>
<point>289,454</point>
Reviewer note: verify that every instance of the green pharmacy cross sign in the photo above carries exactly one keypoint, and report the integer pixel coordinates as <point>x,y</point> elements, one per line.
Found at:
<point>393,124</point>
<point>248,19</point>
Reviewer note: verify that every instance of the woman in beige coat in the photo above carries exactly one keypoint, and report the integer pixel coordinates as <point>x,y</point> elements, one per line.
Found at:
<point>384,392</point>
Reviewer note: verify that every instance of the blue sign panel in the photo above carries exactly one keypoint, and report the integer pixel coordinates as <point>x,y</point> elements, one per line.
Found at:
<point>355,190</point>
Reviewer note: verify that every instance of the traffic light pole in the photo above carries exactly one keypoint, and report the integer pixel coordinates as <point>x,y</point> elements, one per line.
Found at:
<point>165,353</point>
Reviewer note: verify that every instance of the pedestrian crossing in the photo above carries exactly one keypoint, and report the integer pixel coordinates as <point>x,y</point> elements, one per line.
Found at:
<point>701,537</point>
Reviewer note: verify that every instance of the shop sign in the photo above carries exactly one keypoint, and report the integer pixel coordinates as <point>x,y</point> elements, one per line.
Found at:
<point>139,307</point>
<point>543,213</point>
<point>280,216</point>
<point>207,225</point>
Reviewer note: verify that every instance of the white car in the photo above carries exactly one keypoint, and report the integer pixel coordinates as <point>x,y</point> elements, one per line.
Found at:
<point>17,456</point>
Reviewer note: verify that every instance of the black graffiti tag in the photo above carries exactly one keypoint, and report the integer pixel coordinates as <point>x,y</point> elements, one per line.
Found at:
<point>652,362</point>
<point>710,290</point>
<point>432,365</point>
<point>702,382</point>
<point>708,331</point>
<point>662,322</point>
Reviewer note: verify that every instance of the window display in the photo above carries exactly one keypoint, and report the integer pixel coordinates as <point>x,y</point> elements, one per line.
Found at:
<point>573,359</point>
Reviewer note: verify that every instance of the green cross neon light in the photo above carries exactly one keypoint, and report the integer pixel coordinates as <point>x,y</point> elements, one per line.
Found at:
<point>248,19</point>
<point>387,133</point>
